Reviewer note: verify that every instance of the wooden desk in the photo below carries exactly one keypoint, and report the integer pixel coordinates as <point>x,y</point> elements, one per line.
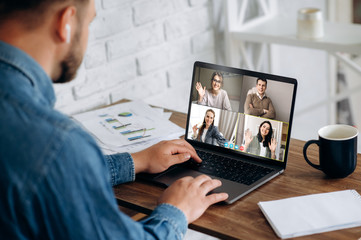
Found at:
<point>244,219</point>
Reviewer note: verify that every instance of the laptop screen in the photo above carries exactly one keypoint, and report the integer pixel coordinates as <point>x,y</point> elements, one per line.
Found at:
<point>249,113</point>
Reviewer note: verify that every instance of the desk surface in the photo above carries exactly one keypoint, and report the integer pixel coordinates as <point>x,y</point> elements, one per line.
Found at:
<point>243,219</point>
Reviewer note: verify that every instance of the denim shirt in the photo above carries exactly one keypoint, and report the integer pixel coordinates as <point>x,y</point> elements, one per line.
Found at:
<point>55,183</point>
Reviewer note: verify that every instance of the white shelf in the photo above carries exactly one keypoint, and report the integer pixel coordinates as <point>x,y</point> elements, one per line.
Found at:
<point>281,30</point>
<point>272,27</point>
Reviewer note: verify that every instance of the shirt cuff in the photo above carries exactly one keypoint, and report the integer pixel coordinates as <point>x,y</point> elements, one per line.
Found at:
<point>121,168</point>
<point>173,216</point>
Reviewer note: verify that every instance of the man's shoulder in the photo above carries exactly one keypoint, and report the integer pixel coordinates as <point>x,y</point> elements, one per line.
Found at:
<point>266,97</point>
<point>35,134</point>
<point>33,138</point>
<point>252,96</point>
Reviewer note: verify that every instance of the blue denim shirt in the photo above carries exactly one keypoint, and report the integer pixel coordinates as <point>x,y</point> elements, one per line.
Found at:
<point>55,183</point>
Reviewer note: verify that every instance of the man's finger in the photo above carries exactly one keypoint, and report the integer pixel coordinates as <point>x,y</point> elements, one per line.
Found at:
<point>210,185</point>
<point>215,198</point>
<point>189,148</point>
<point>179,158</point>
<point>199,180</point>
<point>183,154</point>
<point>184,143</point>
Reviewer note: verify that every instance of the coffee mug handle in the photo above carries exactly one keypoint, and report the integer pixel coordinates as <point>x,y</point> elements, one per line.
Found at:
<point>308,143</point>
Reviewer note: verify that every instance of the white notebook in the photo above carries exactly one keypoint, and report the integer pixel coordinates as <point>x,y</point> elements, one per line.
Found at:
<point>316,213</point>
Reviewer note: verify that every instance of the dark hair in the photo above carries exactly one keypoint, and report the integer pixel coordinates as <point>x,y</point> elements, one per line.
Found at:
<point>262,79</point>
<point>268,138</point>
<point>32,11</point>
<point>204,124</point>
<point>219,74</point>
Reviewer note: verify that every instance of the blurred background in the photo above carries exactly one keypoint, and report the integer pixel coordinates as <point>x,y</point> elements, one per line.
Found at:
<point>145,49</point>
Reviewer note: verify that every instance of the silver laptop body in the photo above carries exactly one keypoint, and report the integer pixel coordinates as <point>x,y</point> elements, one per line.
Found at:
<point>225,145</point>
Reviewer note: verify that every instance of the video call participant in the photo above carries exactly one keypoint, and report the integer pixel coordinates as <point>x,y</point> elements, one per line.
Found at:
<point>55,181</point>
<point>262,144</point>
<point>258,104</point>
<point>215,97</point>
<point>208,133</point>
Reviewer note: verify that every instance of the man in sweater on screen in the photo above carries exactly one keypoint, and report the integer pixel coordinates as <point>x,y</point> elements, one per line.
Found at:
<point>258,103</point>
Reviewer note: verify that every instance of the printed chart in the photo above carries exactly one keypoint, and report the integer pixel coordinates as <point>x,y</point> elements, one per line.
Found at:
<point>130,126</point>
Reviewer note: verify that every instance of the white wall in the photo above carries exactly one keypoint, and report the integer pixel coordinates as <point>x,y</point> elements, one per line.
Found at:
<point>310,69</point>
<point>141,49</point>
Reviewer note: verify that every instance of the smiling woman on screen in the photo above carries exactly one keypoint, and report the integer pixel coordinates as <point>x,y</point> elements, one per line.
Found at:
<point>262,144</point>
<point>208,133</point>
<point>216,96</point>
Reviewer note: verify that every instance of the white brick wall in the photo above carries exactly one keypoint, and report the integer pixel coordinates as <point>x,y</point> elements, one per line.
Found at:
<point>141,49</point>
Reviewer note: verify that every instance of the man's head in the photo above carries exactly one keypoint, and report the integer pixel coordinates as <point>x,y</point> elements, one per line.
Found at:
<point>60,25</point>
<point>33,12</point>
<point>261,85</point>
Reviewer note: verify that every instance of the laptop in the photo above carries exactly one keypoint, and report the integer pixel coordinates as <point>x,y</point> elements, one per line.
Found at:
<point>242,140</point>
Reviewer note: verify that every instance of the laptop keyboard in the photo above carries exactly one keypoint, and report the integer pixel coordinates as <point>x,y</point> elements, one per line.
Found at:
<point>228,168</point>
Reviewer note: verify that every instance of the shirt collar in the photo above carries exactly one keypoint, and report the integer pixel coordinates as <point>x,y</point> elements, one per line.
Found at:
<point>264,95</point>
<point>31,69</point>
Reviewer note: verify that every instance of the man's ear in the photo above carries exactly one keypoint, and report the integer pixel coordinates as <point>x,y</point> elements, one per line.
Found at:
<point>66,20</point>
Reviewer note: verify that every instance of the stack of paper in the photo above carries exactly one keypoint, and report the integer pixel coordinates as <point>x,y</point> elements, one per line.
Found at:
<point>316,213</point>
<point>129,127</point>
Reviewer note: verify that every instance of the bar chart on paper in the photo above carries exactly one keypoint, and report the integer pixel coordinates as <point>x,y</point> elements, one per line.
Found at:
<point>130,126</point>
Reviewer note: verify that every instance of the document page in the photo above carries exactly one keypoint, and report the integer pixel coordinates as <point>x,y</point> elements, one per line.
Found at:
<point>128,127</point>
<point>315,213</point>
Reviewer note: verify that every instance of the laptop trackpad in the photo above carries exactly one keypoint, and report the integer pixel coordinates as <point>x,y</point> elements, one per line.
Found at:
<point>234,190</point>
<point>171,176</point>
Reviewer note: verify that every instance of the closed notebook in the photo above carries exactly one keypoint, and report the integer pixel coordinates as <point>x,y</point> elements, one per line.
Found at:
<point>315,213</point>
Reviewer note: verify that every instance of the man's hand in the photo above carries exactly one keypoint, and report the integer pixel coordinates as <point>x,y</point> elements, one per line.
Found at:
<point>190,195</point>
<point>162,155</point>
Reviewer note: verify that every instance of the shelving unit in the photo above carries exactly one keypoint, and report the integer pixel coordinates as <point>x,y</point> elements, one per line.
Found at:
<point>282,30</point>
<point>272,28</point>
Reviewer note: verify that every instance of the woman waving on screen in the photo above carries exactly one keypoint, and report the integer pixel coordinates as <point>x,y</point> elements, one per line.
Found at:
<point>262,144</point>
<point>216,96</point>
<point>208,133</point>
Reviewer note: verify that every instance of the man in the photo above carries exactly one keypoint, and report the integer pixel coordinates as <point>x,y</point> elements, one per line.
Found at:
<point>258,104</point>
<point>55,182</point>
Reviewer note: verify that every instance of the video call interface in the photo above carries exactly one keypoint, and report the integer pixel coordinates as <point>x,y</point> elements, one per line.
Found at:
<point>240,112</point>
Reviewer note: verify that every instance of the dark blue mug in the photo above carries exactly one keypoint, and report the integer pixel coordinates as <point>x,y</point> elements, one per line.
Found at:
<point>337,150</point>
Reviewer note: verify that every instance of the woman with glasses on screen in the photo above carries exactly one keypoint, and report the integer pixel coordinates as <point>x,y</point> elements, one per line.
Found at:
<point>208,133</point>
<point>215,97</point>
<point>262,144</point>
